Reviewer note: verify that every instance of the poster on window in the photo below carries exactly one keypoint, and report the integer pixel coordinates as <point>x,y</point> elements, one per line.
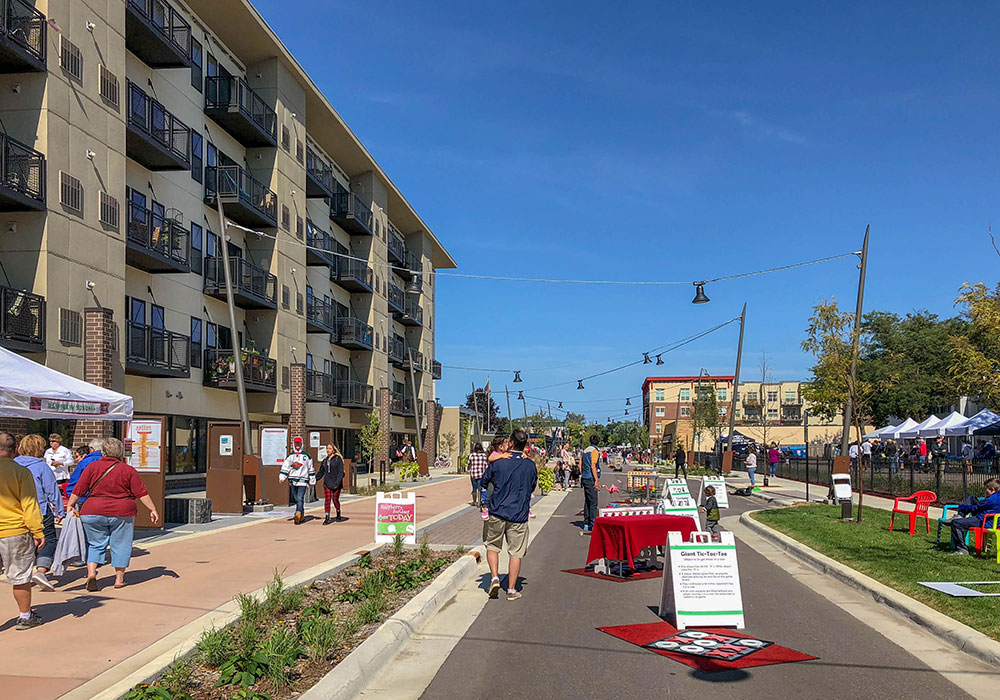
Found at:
<point>273,446</point>
<point>144,439</point>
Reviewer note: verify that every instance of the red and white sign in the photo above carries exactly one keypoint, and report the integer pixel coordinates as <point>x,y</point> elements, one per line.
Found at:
<point>396,514</point>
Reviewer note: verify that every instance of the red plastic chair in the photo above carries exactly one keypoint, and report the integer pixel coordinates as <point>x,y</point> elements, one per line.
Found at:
<point>921,501</point>
<point>980,534</point>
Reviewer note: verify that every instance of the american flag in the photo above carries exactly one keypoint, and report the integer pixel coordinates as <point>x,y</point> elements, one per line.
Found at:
<point>486,389</point>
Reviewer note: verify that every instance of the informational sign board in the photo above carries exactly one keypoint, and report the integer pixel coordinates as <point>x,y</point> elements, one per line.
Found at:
<point>719,484</point>
<point>314,438</point>
<point>144,443</point>
<point>396,514</point>
<point>701,582</point>
<point>273,445</point>
<point>677,487</point>
<point>959,589</point>
<point>321,454</point>
<point>680,506</point>
<point>842,487</point>
<point>225,445</point>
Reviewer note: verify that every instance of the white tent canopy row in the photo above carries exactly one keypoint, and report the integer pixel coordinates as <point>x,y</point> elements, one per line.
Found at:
<point>938,429</point>
<point>34,391</point>
<point>980,420</point>
<point>952,424</point>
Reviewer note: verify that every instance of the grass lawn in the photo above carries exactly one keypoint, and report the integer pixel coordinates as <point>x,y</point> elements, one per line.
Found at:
<point>896,559</point>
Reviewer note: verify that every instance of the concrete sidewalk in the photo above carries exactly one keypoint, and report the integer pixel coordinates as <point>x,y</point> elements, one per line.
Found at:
<point>173,582</point>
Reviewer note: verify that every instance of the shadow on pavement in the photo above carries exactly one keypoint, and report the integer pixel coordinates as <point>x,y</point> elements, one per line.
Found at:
<point>50,612</point>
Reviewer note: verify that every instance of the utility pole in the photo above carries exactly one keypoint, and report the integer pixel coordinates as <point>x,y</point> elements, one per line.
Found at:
<point>479,419</point>
<point>509,419</point>
<point>855,338</point>
<point>241,391</point>
<point>736,381</point>
<point>805,437</point>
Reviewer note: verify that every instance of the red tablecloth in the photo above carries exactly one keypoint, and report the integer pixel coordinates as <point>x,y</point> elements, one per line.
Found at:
<point>634,532</point>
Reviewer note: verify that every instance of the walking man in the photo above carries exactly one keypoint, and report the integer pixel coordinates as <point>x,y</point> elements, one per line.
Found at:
<point>20,530</point>
<point>590,480</point>
<point>297,469</point>
<point>680,457</point>
<point>513,479</point>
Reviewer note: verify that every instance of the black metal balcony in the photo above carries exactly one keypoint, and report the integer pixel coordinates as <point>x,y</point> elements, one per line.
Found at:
<point>412,358</point>
<point>259,372</point>
<point>397,247</point>
<point>22,176</point>
<point>253,287</point>
<point>321,247</point>
<point>22,324</point>
<point>234,105</point>
<point>397,349</point>
<point>155,138</point>
<point>354,334</point>
<point>156,244</point>
<point>352,394</point>
<point>352,213</point>
<point>245,199</point>
<point>397,299</point>
<point>319,387</point>
<point>412,314</point>
<point>400,404</point>
<point>155,352</point>
<point>22,37</point>
<point>321,316</point>
<point>409,265</point>
<point>353,275</point>
<point>157,34</point>
<point>436,369</point>
<point>319,175</point>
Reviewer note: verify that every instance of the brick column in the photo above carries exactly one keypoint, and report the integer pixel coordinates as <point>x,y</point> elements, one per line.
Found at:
<point>430,433</point>
<point>98,367</point>
<point>382,452</point>
<point>297,387</point>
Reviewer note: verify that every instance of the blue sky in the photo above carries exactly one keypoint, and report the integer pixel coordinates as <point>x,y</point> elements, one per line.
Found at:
<point>668,141</point>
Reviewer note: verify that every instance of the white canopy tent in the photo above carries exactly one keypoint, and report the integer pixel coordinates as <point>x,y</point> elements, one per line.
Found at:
<point>896,432</point>
<point>914,432</point>
<point>31,390</point>
<point>980,420</point>
<point>950,421</point>
<point>881,432</point>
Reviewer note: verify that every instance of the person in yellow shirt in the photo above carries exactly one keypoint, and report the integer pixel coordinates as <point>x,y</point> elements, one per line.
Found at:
<point>21,532</point>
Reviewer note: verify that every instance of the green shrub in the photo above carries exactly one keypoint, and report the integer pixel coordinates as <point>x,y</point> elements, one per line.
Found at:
<point>251,609</point>
<point>279,599</point>
<point>425,548</point>
<point>144,691</point>
<point>247,694</point>
<point>370,610</point>
<point>177,678</point>
<point>245,669</point>
<point>281,648</point>
<point>321,635</point>
<point>397,545</point>
<point>408,471</point>
<point>246,635</point>
<point>546,479</point>
<point>215,647</point>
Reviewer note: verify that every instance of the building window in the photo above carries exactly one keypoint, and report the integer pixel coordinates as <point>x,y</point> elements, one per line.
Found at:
<point>196,234</point>
<point>196,63</point>
<point>659,394</point>
<point>300,151</point>
<point>110,210</point>
<point>659,428</point>
<point>721,394</point>
<point>286,138</point>
<point>790,396</point>
<point>196,151</point>
<point>109,87</point>
<point>659,412</point>
<point>684,395</point>
<point>751,413</point>
<point>772,413</point>
<point>299,227</point>
<point>195,342</point>
<point>298,303</point>
<point>772,396</point>
<point>751,396</point>
<point>722,411</point>
<point>736,414</point>
<point>286,297</point>
<point>286,217</point>
<point>70,58</point>
<point>284,377</point>
<point>70,327</point>
<point>685,411</point>
<point>70,192</point>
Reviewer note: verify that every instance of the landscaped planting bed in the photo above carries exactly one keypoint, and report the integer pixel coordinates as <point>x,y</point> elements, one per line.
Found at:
<point>286,642</point>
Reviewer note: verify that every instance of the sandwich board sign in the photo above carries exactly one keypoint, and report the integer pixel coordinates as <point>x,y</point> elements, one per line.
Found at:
<point>680,505</point>
<point>677,487</point>
<point>719,483</point>
<point>396,514</point>
<point>701,582</point>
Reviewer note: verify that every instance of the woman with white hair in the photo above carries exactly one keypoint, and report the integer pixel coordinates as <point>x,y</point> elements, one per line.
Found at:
<point>111,488</point>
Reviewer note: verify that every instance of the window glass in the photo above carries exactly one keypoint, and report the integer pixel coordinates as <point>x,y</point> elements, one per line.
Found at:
<point>721,394</point>
<point>212,67</point>
<point>659,411</point>
<point>685,411</point>
<point>196,64</point>
<point>196,235</point>
<point>685,395</point>
<point>156,315</point>
<point>210,336</point>
<point>188,445</point>
<point>225,337</point>
<point>309,361</point>
<point>659,394</point>
<point>772,396</point>
<point>137,311</point>
<point>195,342</point>
<point>197,147</point>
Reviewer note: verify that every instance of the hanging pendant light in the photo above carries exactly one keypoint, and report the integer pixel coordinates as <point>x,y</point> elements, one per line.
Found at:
<point>560,404</point>
<point>626,411</point>
<point>628,402</point>
<point>579,384</point>
<point>517,376</point>
<point>414,286</point>
<point>699,294</point>
<point>645,358</point>
<point>520,396</point>
<point>659,360</point>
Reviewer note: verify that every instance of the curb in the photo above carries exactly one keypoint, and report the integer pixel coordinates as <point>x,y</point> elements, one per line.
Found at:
<point>351,676</point>
<point>963,637</point>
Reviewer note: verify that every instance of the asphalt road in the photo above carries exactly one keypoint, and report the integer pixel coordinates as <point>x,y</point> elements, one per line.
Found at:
<point>546,644</point>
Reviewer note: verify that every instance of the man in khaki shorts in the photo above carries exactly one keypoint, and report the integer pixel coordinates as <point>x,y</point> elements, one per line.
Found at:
<point>20,530</point>
<point>514,478</point>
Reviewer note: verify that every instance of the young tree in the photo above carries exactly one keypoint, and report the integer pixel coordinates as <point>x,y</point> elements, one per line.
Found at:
<point>763,420</point>
<point>705,410</point>
<point>368,438</point>
<point>830,337</point>
<point>448,442</point>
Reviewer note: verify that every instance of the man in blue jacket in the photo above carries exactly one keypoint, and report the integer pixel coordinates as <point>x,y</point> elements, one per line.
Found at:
<point>514,479</point>
<point>975,512</point>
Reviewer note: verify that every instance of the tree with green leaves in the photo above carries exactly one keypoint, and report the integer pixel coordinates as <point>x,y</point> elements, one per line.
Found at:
<point>704,410</point>
<point>975,365</point>
<point>368,438</point>
<point>485,407</point>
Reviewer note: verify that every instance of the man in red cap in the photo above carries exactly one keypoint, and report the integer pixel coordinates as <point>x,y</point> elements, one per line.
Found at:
<point>298,469</point>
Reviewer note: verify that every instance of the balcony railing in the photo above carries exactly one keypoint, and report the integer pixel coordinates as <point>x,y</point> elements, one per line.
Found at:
<point>397,349</point>
<point>797,401</point>
<point>22,37</point>
<point>319,387</point>
<point>397,299</point>
<point>354,334</point>
<point>320,247</point>
<point>155,137</point>
<point>353,275</point>
<point>253,287</point>
<point>155,243</point>
<point>22,323</point>
<point>22,176</point>
<point>319,175</point>
<point>412,314</point>
<point>410,265</point>
<point>352,394</point>
<point>436,369</point>
<point>417,360</point>
<point>157,33</point>
<point>155,352</point>
<point>245,199</point>
<point>259,372</point>
<point>400,404</point>
<point>352,213</point>
<point>231,102</point>
<point>320,316</point>
<point>397,247</point>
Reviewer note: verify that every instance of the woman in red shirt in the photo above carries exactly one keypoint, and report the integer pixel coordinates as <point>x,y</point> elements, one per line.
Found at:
<point>110,487</point>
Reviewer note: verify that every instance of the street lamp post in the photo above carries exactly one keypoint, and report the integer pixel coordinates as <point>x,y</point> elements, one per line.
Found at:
<point>736,381</point>
<point>856,334</point>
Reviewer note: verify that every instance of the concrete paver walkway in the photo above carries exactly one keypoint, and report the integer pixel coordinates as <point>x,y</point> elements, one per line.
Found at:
<point>170,584</point>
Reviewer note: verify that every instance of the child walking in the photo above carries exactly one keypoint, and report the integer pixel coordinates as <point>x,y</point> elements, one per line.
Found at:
<point>711,510</point>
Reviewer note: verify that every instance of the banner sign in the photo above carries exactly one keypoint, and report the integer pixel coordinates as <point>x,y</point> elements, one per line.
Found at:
<point>143,444</point>
<point>69,406</point>
<point>273,446</point>
<point>396,514</point>
<point>701,582</point>
<point>721,495</point>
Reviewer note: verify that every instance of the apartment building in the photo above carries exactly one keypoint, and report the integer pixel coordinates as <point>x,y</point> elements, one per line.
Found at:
<point>125,124</point>
<point>765,411</point>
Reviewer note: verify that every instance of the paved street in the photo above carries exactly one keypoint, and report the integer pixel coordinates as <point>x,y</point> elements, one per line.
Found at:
<point>546,645</point>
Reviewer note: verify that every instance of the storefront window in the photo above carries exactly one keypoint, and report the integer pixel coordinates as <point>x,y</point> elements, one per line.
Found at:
<point>188,445</point>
